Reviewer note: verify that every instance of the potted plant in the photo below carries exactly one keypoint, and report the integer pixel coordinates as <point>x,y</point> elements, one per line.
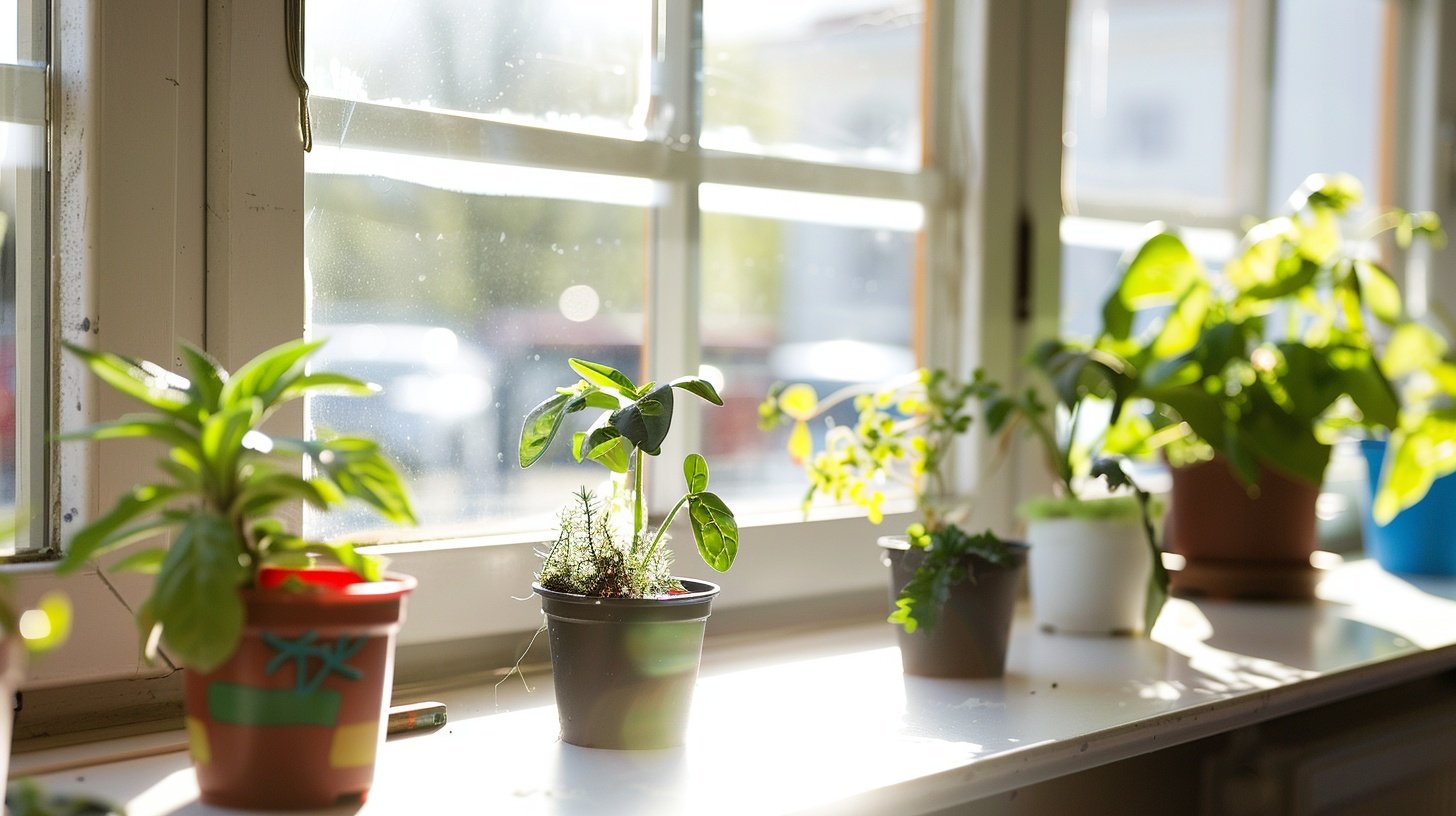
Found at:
<point>289,662</point>
<point>1095,566</point>
<point>1251,376</point>
<point>952,592</point>
<point>626,636</point>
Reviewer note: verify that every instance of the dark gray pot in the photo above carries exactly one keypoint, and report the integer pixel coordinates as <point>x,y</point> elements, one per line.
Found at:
<point>971,632</point>
<point>624,668</point>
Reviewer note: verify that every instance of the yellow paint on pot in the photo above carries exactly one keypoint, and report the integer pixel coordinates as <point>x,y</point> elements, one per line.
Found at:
<point>354,745</point>
<point>197,741</point>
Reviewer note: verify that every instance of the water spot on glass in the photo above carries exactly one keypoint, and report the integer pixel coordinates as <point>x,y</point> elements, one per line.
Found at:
<point>503,238</point>
<point>417,236</point>
<point>439,236</point>
<point>510,65</point>
<point>421,279</point>
<point>535,357</point>
<point>500,457</point>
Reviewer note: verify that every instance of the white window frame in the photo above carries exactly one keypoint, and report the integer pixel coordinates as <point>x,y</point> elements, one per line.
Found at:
<point>158,239</point>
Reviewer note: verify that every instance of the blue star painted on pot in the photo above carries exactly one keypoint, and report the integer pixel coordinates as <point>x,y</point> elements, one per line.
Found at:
<point>331,656</point>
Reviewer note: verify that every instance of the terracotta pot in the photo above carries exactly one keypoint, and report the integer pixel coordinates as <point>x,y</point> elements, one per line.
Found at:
<point>1089,576</point>
<point>1241,545</point>
<point>295,718</point>
<point>973,628</point>
<point>624,668</point>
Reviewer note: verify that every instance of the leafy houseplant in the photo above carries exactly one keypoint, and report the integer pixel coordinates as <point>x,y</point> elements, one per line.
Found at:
<point>946,585</point>
<point>1261,367</point>
<point>627,684</point>
<point>278,714</point>
<point>1095,564</point>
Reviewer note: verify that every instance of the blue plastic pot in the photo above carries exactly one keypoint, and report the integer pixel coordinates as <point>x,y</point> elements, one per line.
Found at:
<point>1420,540</point>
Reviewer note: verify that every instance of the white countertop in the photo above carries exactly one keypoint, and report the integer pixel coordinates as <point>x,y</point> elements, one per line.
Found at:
<point>825,721</point>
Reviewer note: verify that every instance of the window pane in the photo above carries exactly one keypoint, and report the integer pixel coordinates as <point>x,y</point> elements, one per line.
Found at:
<point>1329,115</point>
<point>578,65</point>
<point>1151,104</point>
<point>794,301</point>
<point>822,80</point>
<point>464,304</point>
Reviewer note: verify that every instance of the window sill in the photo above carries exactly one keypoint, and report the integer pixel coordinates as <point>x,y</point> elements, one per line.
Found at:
<point>826,720</point>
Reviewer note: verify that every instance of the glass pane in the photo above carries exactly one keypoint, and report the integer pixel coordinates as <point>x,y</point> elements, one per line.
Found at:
<point>795,301</point>
<point>580,65</point>
<point>1329,115</point>
<point>464,306</point>
<point>1150,109</point>
<point>822,80</point>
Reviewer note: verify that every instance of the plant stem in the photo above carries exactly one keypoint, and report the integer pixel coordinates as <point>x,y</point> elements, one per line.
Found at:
<point>638,503</point>
<point>662,528</point>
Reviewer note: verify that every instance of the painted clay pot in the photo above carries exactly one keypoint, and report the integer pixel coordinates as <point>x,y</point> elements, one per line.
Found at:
<point>294,719</point>
<point>973,628</point>
<point>624,668</point>
<point>1088,576</point>
<point>1418,540</point>
<point>1238,545</point>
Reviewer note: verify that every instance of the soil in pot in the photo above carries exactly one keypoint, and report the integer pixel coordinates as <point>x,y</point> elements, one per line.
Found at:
<point>1238,545</point>
<point>624,668</point>
<point>294,719</point>
<point>972,629</point>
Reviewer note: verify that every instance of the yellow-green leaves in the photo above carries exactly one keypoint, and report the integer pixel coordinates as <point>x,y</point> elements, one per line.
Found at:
<point>1159,273</point>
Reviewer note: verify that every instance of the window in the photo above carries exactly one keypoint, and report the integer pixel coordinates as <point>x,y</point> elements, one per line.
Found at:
<point>1169,117</point>
<point>740,191</point>
<point>24,288</point>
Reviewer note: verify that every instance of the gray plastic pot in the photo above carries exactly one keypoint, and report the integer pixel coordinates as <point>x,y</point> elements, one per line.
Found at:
<point>624,668</point>
<point>973,628</point>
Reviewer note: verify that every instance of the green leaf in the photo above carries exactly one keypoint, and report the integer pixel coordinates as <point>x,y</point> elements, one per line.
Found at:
<point>609,449</point>
<point>695,471</point>
<point>207,376</point>
<point>142,380</point>
<point>1159,272</point>
<point>268,375</point>
<point>265,489</point>
<point>698,386</point>
<point>324,383</point>
<point>221,439</point>
<point>540,427</point>
<point>281,549</point>
<point>1412,347</point>
<point>603,376</point>
<point>714,529</point>
<point>196,598</point>
<point>137,426</point>
<point>645,423</point>
<point>101,536</point>
<point>1378,292</point>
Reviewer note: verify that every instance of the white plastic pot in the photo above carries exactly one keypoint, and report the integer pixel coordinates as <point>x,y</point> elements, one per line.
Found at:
<point>1088,576</point>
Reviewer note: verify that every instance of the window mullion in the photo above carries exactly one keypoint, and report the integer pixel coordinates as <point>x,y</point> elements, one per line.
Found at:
<point>1254,90</point>
<point>672,347</point>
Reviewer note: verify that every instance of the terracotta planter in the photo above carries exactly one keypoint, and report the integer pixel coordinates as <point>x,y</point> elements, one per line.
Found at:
<point>295,718</point>
<point>1237,545</point>
<point>971,632</point>
<point>624,668</point>
<point>1088,576</point>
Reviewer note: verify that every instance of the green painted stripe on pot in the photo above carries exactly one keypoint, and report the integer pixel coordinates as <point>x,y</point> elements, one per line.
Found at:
<point>245,705</point>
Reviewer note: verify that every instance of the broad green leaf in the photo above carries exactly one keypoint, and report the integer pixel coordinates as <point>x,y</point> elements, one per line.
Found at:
<point>371,479</point>
<point>221,439</point>
<point>714,529</point>
<point>609,449</point>
<point>1367,387</point>
<point>1336,191</point>
<point>540,427</point>
<point>137,426</point>
<point>147,561</point>
<point>606,400</point>
<point>283,550</point>
<point>1292,274</point>
<point>699,387</point>
<point>99,536</point>
<point>603,376</point>
<point>1412,347</point>
<point>1184,325</point>
<point>326,384</point>
<point>196,598</point>
<point>141,380</point>
<point>1378,292</point>
<point>695,472</point>
<point>799,401</point>
<point>266,489</point>
<point>645,423</point>
<point>1158,273</point>
<point>269,374</point>
<point>1405,477</point>
<point>207,376</point>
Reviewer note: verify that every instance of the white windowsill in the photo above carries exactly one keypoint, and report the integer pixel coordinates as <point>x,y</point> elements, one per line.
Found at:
<point>825,721</point>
